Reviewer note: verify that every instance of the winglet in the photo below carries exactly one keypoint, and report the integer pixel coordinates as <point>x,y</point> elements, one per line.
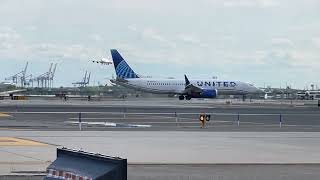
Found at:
<point>186,80</point>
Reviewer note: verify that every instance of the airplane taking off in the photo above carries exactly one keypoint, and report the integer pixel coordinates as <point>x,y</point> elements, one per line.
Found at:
<point>103,61</point>
<point>185,88</point>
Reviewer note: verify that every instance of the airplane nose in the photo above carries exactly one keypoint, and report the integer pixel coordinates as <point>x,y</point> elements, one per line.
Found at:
<point>256,90</point>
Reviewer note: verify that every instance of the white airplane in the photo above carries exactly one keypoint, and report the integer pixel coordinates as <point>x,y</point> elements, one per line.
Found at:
<point>8,93</point>
<point>267,96</point>
<point>4,85</point>
<point>185,88</point>
<point>103,61</point>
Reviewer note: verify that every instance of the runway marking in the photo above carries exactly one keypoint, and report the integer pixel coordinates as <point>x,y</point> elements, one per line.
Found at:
<point>109,124</point>
<point>103,123</point>
<point>11,141</point>
<point>121,118</point>
<point>4,115</point>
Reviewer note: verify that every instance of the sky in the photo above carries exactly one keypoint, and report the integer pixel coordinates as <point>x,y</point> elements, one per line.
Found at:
<point>264,42</point>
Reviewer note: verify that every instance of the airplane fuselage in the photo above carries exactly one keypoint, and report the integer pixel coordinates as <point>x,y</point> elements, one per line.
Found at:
<point>177,86</point>
<point>185,88</point>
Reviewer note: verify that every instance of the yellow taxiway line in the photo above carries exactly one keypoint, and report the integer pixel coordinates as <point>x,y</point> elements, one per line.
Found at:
<point>11,141</point>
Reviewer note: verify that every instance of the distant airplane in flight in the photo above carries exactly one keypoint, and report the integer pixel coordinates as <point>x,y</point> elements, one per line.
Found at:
<point>103,61</point>
<point>184,88</point>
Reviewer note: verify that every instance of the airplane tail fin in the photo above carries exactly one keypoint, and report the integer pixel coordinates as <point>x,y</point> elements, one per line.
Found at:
<point>123,70</point>
<point>187,82</point>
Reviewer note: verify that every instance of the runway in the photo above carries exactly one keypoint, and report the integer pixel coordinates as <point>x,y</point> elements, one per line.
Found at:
<point>212,172</point>
<point>162,116</point>
<point>224,172</point>
<point>177,155</point>
<point>163,140</point>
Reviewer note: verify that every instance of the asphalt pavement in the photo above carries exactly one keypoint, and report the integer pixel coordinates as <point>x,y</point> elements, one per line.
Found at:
<point>163,139</point>
<point>160,116</point>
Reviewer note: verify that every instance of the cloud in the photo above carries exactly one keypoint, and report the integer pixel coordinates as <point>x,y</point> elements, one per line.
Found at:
<point>280,41</point>
<point>96,37</point>
<point>31,28</point>
<point>191,39</point>
<point>64,51</point>
<point>316,41</point>
<point>9,40</point>
<point>306,58</point>
<point>8,34</point>
<point>215,34</point>
<point>150,33</point>
<point>133,28</point>
<point>245,3</point>
<point>163,6</point>
<point>43,47</point>
<point>14,45</point>
<point>240,57</point>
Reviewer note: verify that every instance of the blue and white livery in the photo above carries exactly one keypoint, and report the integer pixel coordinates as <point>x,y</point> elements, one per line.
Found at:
<point>185,88</point>
<point>123,70</point>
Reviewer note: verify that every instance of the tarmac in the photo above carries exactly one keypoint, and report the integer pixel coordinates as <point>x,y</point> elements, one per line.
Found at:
<point>156,151</point>
<point>150,115</point>
<point>172,146</point>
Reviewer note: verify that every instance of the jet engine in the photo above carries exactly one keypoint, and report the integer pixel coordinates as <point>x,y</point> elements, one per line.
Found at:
<point>209,93</point>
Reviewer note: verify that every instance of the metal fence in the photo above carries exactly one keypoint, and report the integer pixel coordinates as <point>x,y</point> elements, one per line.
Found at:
<point>157,120</point>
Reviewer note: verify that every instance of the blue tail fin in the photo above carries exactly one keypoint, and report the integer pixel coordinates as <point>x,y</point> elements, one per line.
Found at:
<point>123,70</point>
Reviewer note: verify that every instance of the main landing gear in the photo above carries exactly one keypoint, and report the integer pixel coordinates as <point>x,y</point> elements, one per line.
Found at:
<point>244,97</point>
<point>181,97</point>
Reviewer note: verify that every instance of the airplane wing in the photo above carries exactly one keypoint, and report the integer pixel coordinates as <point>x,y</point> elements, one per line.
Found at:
<point>197,92</point>
<point>190,88</point>
<point>7,93</point>
<point>118,80</point>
